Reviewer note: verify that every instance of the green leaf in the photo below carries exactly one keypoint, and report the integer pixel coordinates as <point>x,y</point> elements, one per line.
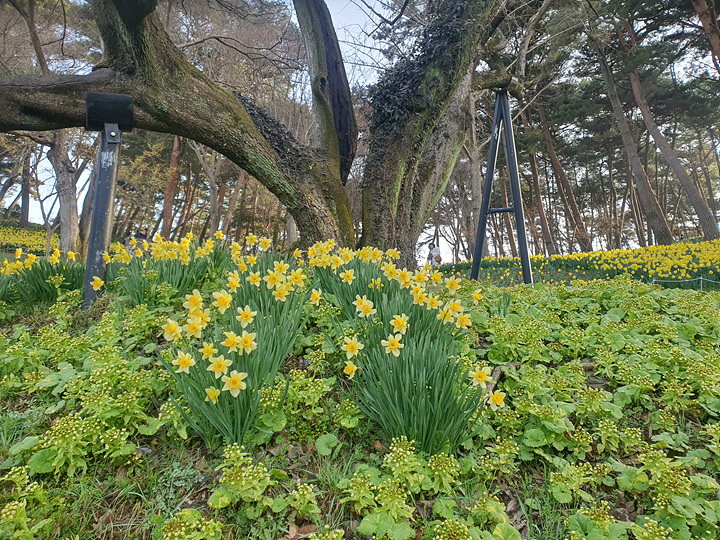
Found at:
<point>704,482</point>
<point>278,474</point>
<point>219,498</point>
<point>400,531</point>
<point>444,508</point>
<point>42,461</point>
<point>325,443</point>
<point>632,479</point>
<point>152,426</point>
<point>274,420</point>
<point>26,444</point>
<point>503,531</point>
<point>561,492</point>
<point>279,504</point>
<point>369,525</point>
<point>534,437</point>
<point>583,525</point>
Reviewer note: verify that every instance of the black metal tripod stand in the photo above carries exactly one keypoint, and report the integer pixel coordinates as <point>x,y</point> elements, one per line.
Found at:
<point>502,119</point>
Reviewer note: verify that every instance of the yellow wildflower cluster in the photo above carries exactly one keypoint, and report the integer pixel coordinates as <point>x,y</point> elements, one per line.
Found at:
<point>27,260</point>
<point>674,262</point>
<point>164,250</point>
<point>26,239</point>
<point>281,280</point>
<point>10,268</point>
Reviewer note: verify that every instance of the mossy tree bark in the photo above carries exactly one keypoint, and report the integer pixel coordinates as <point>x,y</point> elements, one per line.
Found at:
<point>172,96</point>
<point>416,130</point>
<point>409,103</point>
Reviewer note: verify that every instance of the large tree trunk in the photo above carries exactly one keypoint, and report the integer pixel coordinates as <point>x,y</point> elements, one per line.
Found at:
<point>67,195</point>
<point>170,188</point>
<point>695,198</point>
<point>402,217</point>
<point>403,175</point>
<point>648,201</point>
<point>172,96</point>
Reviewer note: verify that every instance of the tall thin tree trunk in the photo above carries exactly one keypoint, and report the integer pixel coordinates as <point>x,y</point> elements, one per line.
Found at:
<point>66,189</point>
<point>25,193</point>
<point>86,215</point>
<point>577,222</point>
<point>219,204</point>
<point>708,18</point>
<point>508,222</point>
<point>646,196</point>
<point>239,186</point>
<point>695,198</point>
<point>706,175</point>
<point>550,248</point>
<point>170,188</point>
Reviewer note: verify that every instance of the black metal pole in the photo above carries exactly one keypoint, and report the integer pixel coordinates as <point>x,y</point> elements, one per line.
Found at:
<point>511,158</point>
<point>100,225</point>
<point>487,191</point>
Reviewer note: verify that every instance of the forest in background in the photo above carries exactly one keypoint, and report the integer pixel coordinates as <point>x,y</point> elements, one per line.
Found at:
<point>616,125</point>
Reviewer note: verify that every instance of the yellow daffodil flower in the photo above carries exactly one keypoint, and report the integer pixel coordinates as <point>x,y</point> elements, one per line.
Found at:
<point>348,276</point>
<point>392,344</point>
<point>247,343</point>
<point>222,300</point>
<point>497,400</point>
<point>207,350</point>
<point>231,341</point>
<point>480,377</point>
<point>234,383</point>
<point>172,330</point>
<point>97,283</point>
<point>315,296</point>
<point>246,316</point>
<point>253,278</point>
<point>400,323</point>
<point>281,292</point>
<point>350,369</point>
<point>193,327</point>
<point>193,301</point>
<point>219,366</point>
<point>352,347</point>
<point>212,394</point>
<point>184,362</point>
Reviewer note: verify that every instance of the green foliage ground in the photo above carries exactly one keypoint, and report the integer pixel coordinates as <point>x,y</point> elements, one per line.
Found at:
<point>608,428</point>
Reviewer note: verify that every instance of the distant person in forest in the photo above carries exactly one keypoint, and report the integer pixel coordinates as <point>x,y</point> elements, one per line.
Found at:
<point>434,254</point>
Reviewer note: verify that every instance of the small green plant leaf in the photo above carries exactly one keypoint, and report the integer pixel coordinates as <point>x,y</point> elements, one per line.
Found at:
<point>534,437</point>
<point>503,531</point>
<point>26,444</point>
<point>42,461</point>
<point>325,443</point>
<point>562,493</point>
<point>400,531</point>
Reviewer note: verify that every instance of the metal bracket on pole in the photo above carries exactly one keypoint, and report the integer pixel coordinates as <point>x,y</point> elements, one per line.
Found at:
<point>110,114</point>
<point>502,118</point>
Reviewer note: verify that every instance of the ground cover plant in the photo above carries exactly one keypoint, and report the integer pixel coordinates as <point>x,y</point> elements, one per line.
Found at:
<point>330,394</point>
